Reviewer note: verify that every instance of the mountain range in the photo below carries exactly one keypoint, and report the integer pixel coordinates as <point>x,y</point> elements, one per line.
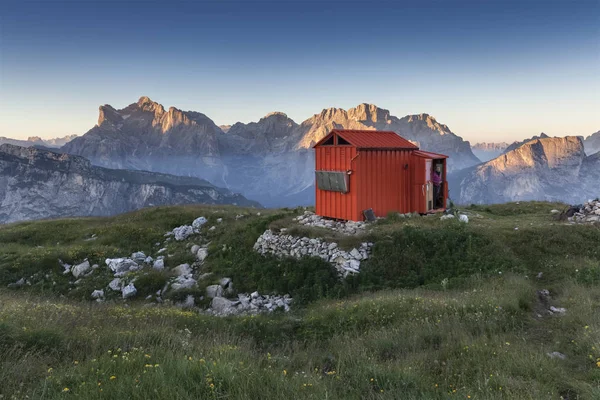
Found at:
<point>487,151</point>
<point>543,168</point>
<point>270,161</point>
<point>38,141</point>
<point>36,183</point>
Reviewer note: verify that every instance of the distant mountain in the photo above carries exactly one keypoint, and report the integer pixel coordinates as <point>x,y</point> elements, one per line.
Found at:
<point>39,142</point>
<point>145,136</point>
<point>421,129</point>
<point>540,169</point>
<point>592,143</point>
<point>516,144</point>
<point>270,160</point>
<point>488,151</point>
<point>225,128</point>
<point>41,184</point>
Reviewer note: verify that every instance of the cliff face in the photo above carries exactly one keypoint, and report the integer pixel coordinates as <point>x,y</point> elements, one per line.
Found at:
<point>488,151</point>
<point>422,129</point>
<point>541,169</point>
<point>41,184</point>
<point>145,136</point>
<point>592,143</point>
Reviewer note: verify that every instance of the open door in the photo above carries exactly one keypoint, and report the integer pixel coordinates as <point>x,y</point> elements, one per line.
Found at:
<point>428,186</point>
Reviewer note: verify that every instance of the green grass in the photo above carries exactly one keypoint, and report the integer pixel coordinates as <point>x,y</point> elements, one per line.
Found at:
<point>441,310</point>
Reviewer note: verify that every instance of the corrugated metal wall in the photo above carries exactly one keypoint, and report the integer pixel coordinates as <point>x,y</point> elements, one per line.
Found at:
<point>383,182</point>
<point>336,204</point>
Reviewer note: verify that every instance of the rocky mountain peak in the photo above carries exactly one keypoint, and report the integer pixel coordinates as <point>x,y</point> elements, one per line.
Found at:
<point>107,114</point>
<point>146,104</point>
<point>276,113</point>
<point>369,112</point>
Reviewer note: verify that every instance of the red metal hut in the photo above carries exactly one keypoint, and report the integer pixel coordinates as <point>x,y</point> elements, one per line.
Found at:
<point>379,170</point>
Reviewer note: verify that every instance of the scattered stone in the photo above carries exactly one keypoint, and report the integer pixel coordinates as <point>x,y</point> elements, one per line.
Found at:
<point>81,269</point>
<point>589,212</point>
<point>115,284</point>
<point>554,211</point>
<point>195,249</point>
<point>189,302</point>
<point>224,282</point>
<point>148,260</point>
<point>221,305</point>
<point>212,228</point>
<point>98,294</point>
<point>556,354</point>
<point>183,232</point>
<point>213,291</point>
<point>558,310</point>
<point>219,220</point>
<point>120,266</point>
<point>205,276</point>
<point>463,218</point>
<point>17,284</point>
<point>198,222</point>
<point>201,254</point>
<point>139,257</point>
<point>182,270</point>
<point>446,216</point>
<point>129,291</point>
<point>161,250</point>
<point>159,264</point>
<point>183,282</point>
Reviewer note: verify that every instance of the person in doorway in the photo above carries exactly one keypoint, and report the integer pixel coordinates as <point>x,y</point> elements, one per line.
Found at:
<point>436,179</point>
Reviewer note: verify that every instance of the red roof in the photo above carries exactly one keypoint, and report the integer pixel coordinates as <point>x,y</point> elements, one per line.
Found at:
<point>428,154</point>
<point>372,139</point>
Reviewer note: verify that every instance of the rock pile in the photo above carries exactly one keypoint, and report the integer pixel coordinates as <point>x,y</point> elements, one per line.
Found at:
<point>253,303</point>
<point>588,212</point>
<point>347,227</point>
<point>281,245</point>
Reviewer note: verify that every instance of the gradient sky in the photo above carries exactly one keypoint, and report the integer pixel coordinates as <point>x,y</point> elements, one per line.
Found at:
<point>490,70</point>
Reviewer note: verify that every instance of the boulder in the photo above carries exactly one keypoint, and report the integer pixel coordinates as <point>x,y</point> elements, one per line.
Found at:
<point>195,249</point>
<point>214,291</point>
<point>148,260</point>
<point>183,269</point>
<point>139,257</point>
<point>115,284</point>
<point>121,266</point>
<point>183,282</point>
<point>463,218</point>
<point>98,294</point>
<point>201,254</point>
<point>183,232</point>
<point>224,282</point>
<point>198,222</point>
<point>446,216</point>
<point>81,269</point>
<point>129,291</point>
<point>221,305</point>
<point>159,264</point>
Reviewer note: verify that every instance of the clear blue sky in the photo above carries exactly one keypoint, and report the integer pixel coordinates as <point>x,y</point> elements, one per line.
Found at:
<point>490,70</point>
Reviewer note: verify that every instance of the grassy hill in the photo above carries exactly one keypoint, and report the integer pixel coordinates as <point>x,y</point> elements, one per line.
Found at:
<point>440,310</point>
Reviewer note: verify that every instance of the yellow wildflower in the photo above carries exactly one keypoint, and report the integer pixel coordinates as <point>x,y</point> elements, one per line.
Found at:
<point>75,362</point>
<point>112,378</point>
<point>66,389</point>
<point>284,372</point>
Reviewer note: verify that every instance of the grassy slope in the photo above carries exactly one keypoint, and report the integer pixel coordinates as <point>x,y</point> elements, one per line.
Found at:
<point>476,335</point>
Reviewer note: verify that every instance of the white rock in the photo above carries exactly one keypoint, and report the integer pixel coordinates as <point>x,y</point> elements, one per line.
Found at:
<point>81,269</point>
<point>446,216</point>
<point>121,266</point>
<point>463,218</point>
<point>558,310</point>
<point>202,254</point>
<point>224,282</point>
<point>195,249</point>
<point>554,212</point>
<point>556,354</point>
<point>198,222</point>
<point>115,284</point>
<point>183,282</point>
<point>219,220</point>
<point>254,295</point>
<point>161,250</point>
<point>221,305</point>
<point>129,291</point>
<point>183,232</point>
<point>212,228</point>
<point>139,257</point>
<point>213,291</point>
<point>148,260</point>
<point>98,294</point>
<point>183,269</point>
<point>159,264</point>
